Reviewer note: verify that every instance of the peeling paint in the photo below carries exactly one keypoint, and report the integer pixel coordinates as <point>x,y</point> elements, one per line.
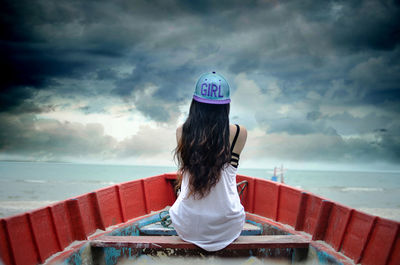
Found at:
<point>83,256</point>
<point>111,255</point>
<point>256,224</point>
<point>325,258</point>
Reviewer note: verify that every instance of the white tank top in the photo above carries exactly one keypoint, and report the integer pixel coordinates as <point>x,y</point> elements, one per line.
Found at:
<point>214,221</point>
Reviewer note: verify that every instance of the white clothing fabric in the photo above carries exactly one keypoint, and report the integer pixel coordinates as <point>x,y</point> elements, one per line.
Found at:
<point>214,221</point>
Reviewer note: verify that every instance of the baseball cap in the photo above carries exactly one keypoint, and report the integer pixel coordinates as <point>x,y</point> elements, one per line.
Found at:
<point>212,88</point>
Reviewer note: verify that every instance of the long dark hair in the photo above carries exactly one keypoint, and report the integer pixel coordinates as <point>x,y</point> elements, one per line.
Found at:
<point>204,149</point>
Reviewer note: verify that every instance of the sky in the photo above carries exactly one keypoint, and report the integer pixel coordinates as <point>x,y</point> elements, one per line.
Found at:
<point>316,83</point>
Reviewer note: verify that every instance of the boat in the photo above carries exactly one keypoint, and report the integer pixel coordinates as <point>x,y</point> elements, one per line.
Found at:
<point>128,221</point>
<point>275,174</point>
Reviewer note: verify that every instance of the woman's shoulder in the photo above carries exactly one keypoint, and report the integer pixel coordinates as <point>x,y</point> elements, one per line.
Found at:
<point>178,132</point>
<point>241,139</point>
<point>242,130</point>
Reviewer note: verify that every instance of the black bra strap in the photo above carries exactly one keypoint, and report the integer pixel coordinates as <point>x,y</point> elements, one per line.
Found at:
<point>235,160</point>
<point>235,155</point>
<point>236,136</point>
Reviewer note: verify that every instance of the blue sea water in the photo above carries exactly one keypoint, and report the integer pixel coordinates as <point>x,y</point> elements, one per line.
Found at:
<point>28,185</point>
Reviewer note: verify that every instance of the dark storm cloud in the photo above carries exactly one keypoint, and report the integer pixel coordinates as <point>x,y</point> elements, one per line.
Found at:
<point>46,40</point>
<point>309,45</point>
<point>296,127</point>
<point>344,123</point>
<point>370,123</point>
<point>380,22</point>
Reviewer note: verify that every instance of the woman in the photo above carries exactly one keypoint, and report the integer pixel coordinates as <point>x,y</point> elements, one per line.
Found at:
<point>208,211</point>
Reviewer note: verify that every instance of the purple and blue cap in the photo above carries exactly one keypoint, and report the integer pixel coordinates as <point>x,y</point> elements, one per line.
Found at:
<point>212,88</point>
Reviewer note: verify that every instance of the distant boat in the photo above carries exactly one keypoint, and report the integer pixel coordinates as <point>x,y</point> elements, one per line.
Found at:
<point>278,171</point>
<point>128,221</point>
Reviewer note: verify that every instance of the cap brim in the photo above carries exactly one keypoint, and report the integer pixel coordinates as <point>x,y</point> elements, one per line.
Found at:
<point>211,101</point>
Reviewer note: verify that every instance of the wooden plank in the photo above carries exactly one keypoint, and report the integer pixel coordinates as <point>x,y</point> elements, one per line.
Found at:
<point>156,229</point>
<point>243,242</point>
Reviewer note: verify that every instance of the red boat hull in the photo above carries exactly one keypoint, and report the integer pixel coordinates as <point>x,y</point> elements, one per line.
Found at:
<point>344,233</point>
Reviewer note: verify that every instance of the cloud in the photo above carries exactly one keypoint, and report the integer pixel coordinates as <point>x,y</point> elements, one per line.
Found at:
<point>149,142</point>
<point>303,131</point>
<point>380,22</point>
<point>367,123</point>
<point>44,41</point>
<point>297,70</point>
<point>377,80</point>
<point>316,147</point>
<point>273,116</point>
<point>40,139</point>
<point>50,139</point>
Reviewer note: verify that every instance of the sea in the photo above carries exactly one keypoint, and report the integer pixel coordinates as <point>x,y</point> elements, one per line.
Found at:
<point>26,186</point>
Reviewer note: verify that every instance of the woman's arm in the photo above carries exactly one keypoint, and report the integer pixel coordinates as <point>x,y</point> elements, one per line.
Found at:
<point>241,141</point>
<point>178,133</point>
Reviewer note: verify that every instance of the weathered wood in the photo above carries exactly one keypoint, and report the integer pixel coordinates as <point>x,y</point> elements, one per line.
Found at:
<point>243,242</point>
<point>156,229</point>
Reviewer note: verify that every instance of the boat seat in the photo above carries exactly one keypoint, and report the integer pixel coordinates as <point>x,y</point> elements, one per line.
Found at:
<point>156,229</point>
<point>243,242</point>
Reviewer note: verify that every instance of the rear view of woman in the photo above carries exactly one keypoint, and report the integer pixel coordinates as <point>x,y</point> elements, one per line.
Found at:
<point>208,211</point>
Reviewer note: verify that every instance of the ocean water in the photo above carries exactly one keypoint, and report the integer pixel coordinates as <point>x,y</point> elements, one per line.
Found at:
<point>28,185</point>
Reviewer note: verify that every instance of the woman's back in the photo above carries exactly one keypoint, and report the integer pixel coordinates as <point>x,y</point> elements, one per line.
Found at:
<point>217,219</point>
<point>208,211</point>
<point>214,221</point>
